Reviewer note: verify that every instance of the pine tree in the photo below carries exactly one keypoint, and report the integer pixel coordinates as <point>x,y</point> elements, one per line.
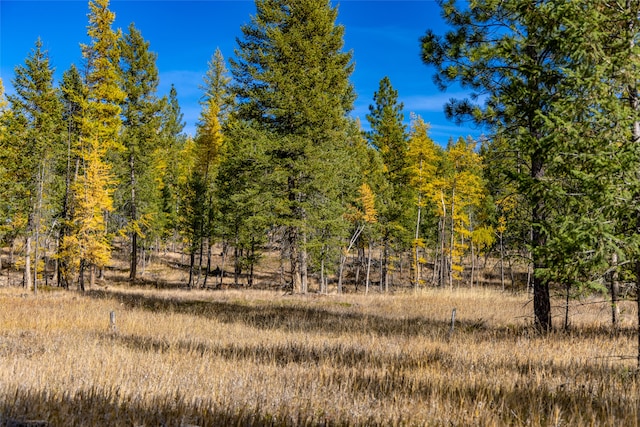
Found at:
<point>216,107</point>
<point>5,116</point>
<point>88,246</point>
<point>209,149</point>
<point>245,197</point>
<point>389,136</point>
<point>511,53</point>
<point>293,81</point>
<point>168,162</point>
<point>141,129</point>
<point>35,141</point>
<point>73,95</point>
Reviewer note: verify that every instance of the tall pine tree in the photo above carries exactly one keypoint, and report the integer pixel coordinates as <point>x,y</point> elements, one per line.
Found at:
<point>389,136</point>
<point>141,129</point>
<point>35,140</point>
<point>509,52</point>
<point>293,81</point>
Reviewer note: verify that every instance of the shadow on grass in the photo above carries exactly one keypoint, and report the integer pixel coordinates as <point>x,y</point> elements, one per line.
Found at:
<point>283,354</point>
<point>523,404</point>
<point>289,317</point>
<point>99,407</point>
<point>282,316</point>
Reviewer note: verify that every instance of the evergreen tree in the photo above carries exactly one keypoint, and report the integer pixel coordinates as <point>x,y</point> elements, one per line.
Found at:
<point>5,116</point>
<point>511,53</point>
<point>209,148</point>
<point>216,87</point>
<point>35,140</point>
<point>293,81</point>
<point>389,136</point>
<point>245,197</point>
<point>73,95</point>
<point>168,163</point>
<point>141,129</point>
<point>501,167</point>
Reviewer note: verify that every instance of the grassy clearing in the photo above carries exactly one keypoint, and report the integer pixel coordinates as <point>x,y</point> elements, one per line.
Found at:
<point>260,358</point>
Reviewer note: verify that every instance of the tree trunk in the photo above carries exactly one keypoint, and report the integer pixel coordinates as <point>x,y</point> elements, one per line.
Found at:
<point>614,287</point>
<point>225,248</point>
<point>443,257</point>
<point>26,281</point>
<point>294,259</point>
<point>92,275</point>
<point>384,266</point>
<point>366,282</point>
<point>236,263</point>
<point>200,257</point>
<point>251,257</point>
<point>81,276</point>
<point>192,261</point>
<point>452,237</point>
<point>206,274</point>
<point>345,254</point>
<point>304,265</point>
<point>541,296</point>
<point>566,306</point>
<point>501,262</point>
<point>133,262</point>
<point>359,264</point>
<point>323,288</point>
<point>473,261</point>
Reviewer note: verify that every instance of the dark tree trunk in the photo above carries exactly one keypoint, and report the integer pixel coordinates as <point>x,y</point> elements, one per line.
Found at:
<point>192,261</point>
<point>133,268</point>
<point>541,296</point>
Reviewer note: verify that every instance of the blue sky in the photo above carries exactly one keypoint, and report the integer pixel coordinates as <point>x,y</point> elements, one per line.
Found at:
<point>383,36</point>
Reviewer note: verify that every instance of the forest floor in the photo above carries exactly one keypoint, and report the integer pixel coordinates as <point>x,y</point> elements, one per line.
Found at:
<point>160,354</point>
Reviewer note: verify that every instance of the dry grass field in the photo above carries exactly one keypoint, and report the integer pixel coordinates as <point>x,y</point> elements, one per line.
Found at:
<point>258,357</point>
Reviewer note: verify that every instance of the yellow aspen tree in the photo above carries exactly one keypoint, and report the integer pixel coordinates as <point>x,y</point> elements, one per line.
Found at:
<point>423,156</point>
<point>88,245</point>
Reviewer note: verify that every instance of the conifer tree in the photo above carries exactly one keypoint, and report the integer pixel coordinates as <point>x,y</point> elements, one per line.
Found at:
<point>87,246</point>
<point>389,136</point>
<point>73,95</point>
<point>5,116</point>
<point>35,140</point>
<point>244,196</point>
<point>293,81</point>
<point>209,148</point>
<point>168,163</point>
<point>510,52</point>
<point>141,129</point>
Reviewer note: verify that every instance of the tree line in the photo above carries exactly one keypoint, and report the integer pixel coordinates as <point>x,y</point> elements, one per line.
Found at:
<point>277,163</point>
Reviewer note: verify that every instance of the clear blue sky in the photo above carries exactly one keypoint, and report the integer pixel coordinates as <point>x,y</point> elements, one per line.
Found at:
<point>383,36</point>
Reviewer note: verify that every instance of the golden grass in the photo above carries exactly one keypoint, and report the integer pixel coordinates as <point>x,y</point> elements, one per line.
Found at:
<point>260,358</point>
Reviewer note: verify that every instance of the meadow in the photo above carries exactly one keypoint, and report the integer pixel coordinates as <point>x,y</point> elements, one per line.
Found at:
<point>178,357</point>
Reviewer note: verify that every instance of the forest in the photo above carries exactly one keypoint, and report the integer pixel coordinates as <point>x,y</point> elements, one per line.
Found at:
<point>278,170</point>
<point>286,267</point>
